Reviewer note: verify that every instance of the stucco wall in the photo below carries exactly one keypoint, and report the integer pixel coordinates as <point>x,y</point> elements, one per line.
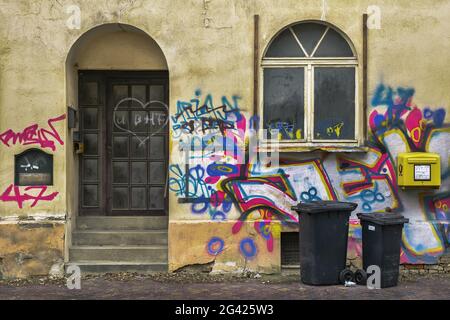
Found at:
<point>208,48</point>
<point>31,249</point>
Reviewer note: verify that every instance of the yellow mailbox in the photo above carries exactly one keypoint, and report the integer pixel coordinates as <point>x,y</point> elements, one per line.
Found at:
<point>419,169</point>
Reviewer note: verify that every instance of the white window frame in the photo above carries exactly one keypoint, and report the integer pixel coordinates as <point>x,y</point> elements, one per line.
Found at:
<point>309,63</point>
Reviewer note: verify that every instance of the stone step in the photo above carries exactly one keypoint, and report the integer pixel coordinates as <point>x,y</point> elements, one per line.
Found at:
<point>119,237</point>
<point>122,223</point>
<point>120,266</point>
<point>144,254</point>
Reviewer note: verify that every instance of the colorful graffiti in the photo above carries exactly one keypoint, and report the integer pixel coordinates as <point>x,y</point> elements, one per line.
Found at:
<point>284,130</point>
<point>267,195</point>
<point>437,208</point>
<point>209,130</point>
<point>397,124</point>
<point>369,180</point>
<point>199,116</point>
<point>14,194</point>
<point>197,186</point>
<point>45,138</point>
<point>264,194</point>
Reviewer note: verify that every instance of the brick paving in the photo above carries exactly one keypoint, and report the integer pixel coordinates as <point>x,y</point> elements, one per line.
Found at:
<point>204,287</point>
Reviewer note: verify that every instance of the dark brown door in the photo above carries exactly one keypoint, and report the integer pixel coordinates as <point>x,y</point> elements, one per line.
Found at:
<point>125,133</point>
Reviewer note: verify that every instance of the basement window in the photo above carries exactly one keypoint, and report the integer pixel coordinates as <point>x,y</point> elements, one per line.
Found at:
<point>310,94</point>
<point>290,246</point>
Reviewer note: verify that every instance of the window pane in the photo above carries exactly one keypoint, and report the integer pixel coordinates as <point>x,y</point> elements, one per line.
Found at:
<point>156,195</point>
<point>120,147</point>
<point>91,144</point>
<point>333,45</point>
<point>284,45</point>
<point>334,103</point>
<point>157,147</point>
<point>138,198</point>
<point>120,119</point>
<point>139,121</point>
<point>284,102</point>
<point>156,94</point>
<point>90,170</point>
<point>89,93</point>
<point>120,172</point>
<point>309,34</point>
<point>138,92</point>
<point>157,120</point>
<point>138,172</point>
<point>157,172</point>
<point>90,118</point>
<point>90,196</point>
<point>120,92</point>
<point>120,198</point>
<point>139,147</point>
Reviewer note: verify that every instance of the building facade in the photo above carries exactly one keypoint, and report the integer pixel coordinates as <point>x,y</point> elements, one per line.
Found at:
<point>100,101</point>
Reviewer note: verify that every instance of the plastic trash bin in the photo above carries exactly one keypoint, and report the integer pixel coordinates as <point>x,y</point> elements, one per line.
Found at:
<point>323,231</point>
<point>381,239</point>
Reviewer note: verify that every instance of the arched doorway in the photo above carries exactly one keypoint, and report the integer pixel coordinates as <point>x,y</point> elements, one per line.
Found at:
<point>117,80</point>
<point>123,112</point>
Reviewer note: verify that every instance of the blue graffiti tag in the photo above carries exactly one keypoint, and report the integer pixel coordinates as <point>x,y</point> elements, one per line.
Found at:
<point>310,195</point>
<point>215,246</point>
<point>248,248</point>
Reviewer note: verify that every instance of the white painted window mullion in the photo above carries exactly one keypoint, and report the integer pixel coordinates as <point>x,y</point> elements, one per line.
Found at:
<point>298,42</point>
<point>320,41</point>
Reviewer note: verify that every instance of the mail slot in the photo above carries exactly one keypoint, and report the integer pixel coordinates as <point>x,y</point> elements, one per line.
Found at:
<point>33,167</point>
<point>419,169</point>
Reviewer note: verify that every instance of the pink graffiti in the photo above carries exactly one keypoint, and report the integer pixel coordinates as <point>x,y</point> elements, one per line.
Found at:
<point>13,194</point>
<point>248,203</point>
<point>414,126</point>
<point>34,135</point>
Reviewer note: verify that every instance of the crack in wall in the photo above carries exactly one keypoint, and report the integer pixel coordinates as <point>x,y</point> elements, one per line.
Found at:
<point>206,267</point>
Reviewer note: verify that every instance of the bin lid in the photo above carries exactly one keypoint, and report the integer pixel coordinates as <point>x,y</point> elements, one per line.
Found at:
<point>384,218</point>
<point>324,206</point>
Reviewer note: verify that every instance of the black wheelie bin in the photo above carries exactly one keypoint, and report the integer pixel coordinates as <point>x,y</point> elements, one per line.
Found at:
<point>381,240</point>
<point>323,231</point>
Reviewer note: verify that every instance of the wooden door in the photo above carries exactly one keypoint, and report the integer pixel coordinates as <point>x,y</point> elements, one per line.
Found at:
<point>125,134</point>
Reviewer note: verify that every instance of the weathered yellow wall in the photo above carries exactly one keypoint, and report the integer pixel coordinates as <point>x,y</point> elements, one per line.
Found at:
<point>28,249</point>
<point>188,241</point>
<point>208,46</point>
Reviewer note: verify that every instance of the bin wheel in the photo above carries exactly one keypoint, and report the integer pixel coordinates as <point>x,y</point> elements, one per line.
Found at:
<point>346,275</point>
<point>360,277</point>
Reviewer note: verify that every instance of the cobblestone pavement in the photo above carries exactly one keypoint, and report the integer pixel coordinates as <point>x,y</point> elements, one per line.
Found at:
<point>205,287</point>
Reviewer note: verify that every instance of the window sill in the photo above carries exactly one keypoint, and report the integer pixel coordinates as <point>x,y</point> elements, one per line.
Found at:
<point>312,148</point>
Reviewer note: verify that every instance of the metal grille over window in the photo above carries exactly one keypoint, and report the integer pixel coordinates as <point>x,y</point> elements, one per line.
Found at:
<point>290,256</point>
<point>310,86</point>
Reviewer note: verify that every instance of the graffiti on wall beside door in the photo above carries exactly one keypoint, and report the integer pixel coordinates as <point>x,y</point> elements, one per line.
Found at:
<point>209,129</point>
<point>34,135</point>
<point>31,135</point>
<point>32,194</point>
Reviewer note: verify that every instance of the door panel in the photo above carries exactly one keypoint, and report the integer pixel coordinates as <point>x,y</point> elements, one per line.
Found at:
<point>91,112</point>
<point>124,166</point>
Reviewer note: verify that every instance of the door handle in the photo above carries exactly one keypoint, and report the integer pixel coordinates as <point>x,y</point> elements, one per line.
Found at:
<point>79,147</point>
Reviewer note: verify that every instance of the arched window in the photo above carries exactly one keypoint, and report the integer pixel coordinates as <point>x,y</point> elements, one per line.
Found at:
<point>310,86</point>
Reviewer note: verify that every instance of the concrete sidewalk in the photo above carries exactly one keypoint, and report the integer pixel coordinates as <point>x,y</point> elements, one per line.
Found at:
<point>204,287</point>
